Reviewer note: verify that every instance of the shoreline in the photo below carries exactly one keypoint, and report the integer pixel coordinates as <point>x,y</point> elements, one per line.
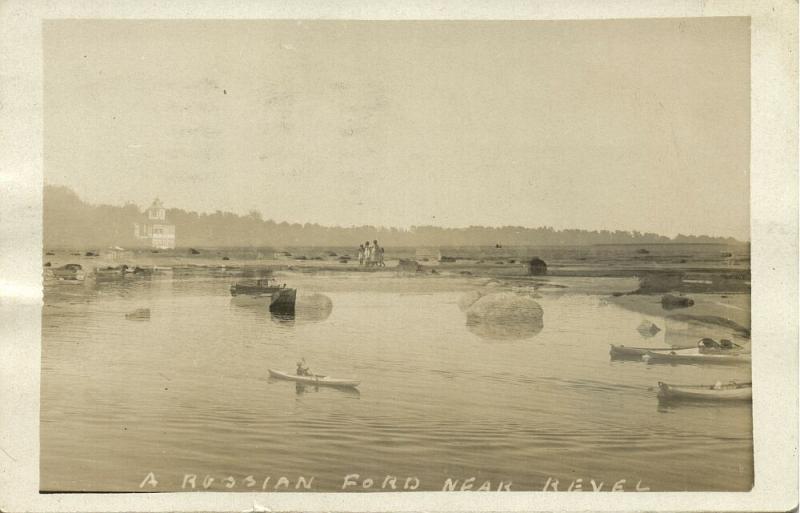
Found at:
<point>720,291</point>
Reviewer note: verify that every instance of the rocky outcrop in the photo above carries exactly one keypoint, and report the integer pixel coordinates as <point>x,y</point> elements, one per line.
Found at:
<point>537,267</point>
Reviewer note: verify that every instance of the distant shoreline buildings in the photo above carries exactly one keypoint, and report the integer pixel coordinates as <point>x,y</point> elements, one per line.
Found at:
<point>70,222</point>
<point>155,228</point>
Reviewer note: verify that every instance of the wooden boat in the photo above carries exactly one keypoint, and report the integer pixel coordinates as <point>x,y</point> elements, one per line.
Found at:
<point>697,355</point>
<point>315,380</point>
<point>622,352</point>
<point>732,391</point>
<point>256,288</point>
<point>280,297</point>
<point>283,301</point>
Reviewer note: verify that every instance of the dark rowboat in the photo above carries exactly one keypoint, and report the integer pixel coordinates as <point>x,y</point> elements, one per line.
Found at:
<point>280,297</point>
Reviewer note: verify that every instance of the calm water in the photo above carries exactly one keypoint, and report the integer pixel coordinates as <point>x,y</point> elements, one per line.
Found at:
<point>187,392</point>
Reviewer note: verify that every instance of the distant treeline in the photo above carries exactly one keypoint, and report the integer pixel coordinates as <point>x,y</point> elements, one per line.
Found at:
<point>70,222</point>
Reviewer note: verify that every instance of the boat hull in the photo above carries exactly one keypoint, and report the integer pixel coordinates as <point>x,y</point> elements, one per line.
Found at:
<point>697,356</point>
<point>727,392</point>
<point>283,301</point>
<point>279,299</point>
<point>622,352</point>
<point>316,380</point>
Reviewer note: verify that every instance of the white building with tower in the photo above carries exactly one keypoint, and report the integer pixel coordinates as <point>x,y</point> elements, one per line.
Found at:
<point>154,227</point>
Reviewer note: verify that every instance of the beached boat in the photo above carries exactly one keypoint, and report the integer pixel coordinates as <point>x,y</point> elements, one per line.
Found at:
<point>315,380</point>
<point>256,288</point>
<point>622,352</point>
<point>280,297</point>
<point>697,355</point>
<point>732,391</point>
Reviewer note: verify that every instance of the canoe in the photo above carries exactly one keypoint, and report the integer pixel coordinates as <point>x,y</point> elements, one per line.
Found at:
<point>728,392</point>
<point>316,380</point>
<point>635,353</point>
<point>696,355</point>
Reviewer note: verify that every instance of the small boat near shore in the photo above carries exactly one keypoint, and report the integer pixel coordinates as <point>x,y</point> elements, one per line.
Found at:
<point>732,391</point>
<point>315,380</point>
<point>705,346</point>
<point>622,352</point>
<point>280,297</point>
<point>697,355</point>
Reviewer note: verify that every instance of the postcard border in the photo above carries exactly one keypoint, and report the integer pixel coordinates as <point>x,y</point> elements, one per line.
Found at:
<point>774,231</point>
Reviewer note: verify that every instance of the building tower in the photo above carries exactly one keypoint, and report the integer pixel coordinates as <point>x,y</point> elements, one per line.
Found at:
<point>154,227</point>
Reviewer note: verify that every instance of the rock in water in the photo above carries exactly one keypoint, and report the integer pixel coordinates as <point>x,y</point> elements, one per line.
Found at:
<point>537,267</point>
<point>648,329</point>
<point>505,316</point>
<point>669,301</point>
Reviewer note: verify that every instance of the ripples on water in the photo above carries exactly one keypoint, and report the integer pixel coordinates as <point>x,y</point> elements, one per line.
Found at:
<point>187,391</point>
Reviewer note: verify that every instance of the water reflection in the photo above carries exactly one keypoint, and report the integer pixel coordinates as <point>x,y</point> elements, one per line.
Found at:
<point>673,405</point>
<point>308,308</point>
<point>503,316</point>
<point>285,319</point>
<point>410,344</point>
<point>91,288</point>
<point>301,389</point>
<point>256,272</point>
<point>313,307</point>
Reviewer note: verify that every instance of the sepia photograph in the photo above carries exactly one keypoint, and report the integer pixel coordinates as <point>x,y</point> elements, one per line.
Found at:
<point>322,255</point>
<point>297,256</point>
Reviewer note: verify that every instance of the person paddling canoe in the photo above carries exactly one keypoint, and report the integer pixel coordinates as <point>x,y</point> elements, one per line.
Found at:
<point>302,368</point>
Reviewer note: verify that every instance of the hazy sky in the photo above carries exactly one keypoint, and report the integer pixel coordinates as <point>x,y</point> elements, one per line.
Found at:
<point>636,125</point>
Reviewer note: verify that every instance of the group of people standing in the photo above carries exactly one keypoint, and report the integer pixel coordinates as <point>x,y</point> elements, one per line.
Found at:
<point>370,255</point>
